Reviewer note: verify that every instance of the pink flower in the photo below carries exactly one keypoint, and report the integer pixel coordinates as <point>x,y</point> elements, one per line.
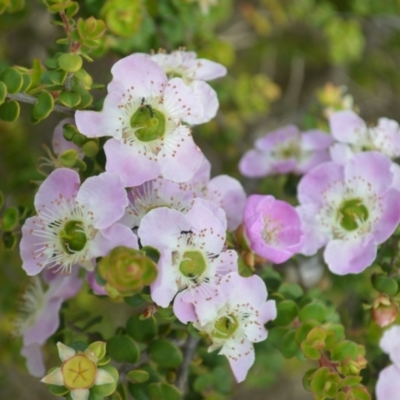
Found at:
<point>143,112</point>
<point>194,72</point>
<point>355,136</point>
<point>272,227</point>
<point>74,224</point>
<point>193,259</point>
<point>239,321</point>
<point>286,150</point>
<point>39,317</point>
<point>350,209</point>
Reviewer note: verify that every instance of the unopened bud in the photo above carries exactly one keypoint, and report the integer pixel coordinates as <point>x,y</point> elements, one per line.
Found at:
<point>384,310</point>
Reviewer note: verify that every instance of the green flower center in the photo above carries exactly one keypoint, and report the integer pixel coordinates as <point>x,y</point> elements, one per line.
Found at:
<point>351,213</point>
<point>225,327</point>
<point>79,372</point>
<point>72,237</point>
<point>150,123</point>
<point>289,150</point>
<point>193,264</point>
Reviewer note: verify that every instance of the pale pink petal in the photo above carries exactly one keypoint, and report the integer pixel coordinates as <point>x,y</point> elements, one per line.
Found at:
<point>62,183</point>
<point>34,359</point>
<point>139,75</point>
<point>267,312</point>
<point>97,289</point>
<point>312,186</point>
<point>314,159</point>
<point>207,97</point>
<point>164,288</point>
<point>217,211</point>
<point>183,310</point>
<point>341,153</point>
<point>277,137</point>
<point>206,70</point>
<point>241,357</point>
<point>229,194</point>
<point>372,167</point>
<point>64,286</point>
<point>202,176</point>
<point>390,217</point>
<point>390,343</point>
<point>107,122</point>
<point>350,256</point>
<point>226,262</point>
<point>180,158</point>
<point>346,126</point>
<point>161,227</point>
<point>130,163</point>
<point>316,140</point>
<point>31,247</point>
<point>255,164</point>
<point>111,237</point>
<point>388,385</point>
<point>395,169</point>
<point>181,102</point>
<point>104,198</point>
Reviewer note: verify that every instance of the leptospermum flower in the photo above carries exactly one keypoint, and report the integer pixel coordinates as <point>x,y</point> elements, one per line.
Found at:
<point>388,385</point>
<point>225,192</point>
<point>144,112</point>
<point>239,321</point>
<point>74,224</point>
<point>286,150</point>
<point>272,228</point>
<point>194,72</point>
<point>350,209</point>
<point>80,373</point>
<point>38,316</point>
<point>193,259</point>
<point>354,136</point>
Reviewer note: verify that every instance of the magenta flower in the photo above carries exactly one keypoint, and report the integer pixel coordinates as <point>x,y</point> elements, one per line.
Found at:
<point>74,224</point>
<point>272,227</point>
<point>350,209</point>
<point>286,150</point>
<point>143,112</point>
<point>194,72</point>
<point>355,136</point>
<point>193,259</point>
<point>388,385</point>
<point>239,321</point>
<point>39,317</point>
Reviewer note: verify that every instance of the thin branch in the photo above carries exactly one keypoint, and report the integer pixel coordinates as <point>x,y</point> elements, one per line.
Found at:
<point>191,345</point>
<point>26,98</point>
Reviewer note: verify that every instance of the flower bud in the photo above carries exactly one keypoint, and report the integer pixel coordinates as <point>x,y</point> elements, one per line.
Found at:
<point>384,310</point>
<point>126,272</point>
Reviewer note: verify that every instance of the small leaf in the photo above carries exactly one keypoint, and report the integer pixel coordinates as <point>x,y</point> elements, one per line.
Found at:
<point>385,284</point>
<point>9,111</point>
<point>68,158</point>
<point>12,79</point>
<point>289,347</point>
<point>287,312</point>
<point>138,376</point>
<point>43,107</point>
<point>152,253</point>
<point>69,131</point>
<point>165,354</point>
<point>163,391</point>
<point>314,310</point>
<point>70,62</point>
<point>69,99</point>
<point>122,348</point>
<point>108,388</point>
<point>3,92</point>
<point>141,330</point>
<point>344,349</point>
<point>90,148</point>
<point>10,219</point>
<point>291,291</point>
<point>9,240</point>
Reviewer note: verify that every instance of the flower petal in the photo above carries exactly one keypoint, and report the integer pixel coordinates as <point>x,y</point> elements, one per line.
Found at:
<point>347,127</point>
<point>388,385</point>
<point>79,394</point>
<point>55,377</point>
<point>390,343</point>
<point>103,377</point>
<point>207,97</point>
<point>34,359</point>
<point>240,356</point>
<point>65,352</point>
<point>255,164</point>
<point>184,310</point>
<point>105,198</point>
<point>130,163</point>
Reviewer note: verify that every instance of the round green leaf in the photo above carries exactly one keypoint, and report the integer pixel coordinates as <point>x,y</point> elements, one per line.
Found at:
<point>70,62</point>
<point>344,349</point>
<point>27,83</point>
<point>69,131</point>
<point>12,79</point>
<point>165,354</point>
<point>289,347</point>
<point>69,99</point>
<point>291,291</point>
<point>108,388</point>
<point>163,391</point>
<point>43,107</point>
<point>122,348</point>
<point>318,380</point>
<point>91,148</point>
<point>68,158</point>
<point>142,330</point>
<point>303,330</point>
<point>275,335</point>
<point>3,92</point>
<point>287,312</point>
<point>385,284</point>
<point>138,376</point>
<point>9,111</point>
<point>10,219</point>
<point>9,240</point>
<point>314,310</point>
<point>57,390</point>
